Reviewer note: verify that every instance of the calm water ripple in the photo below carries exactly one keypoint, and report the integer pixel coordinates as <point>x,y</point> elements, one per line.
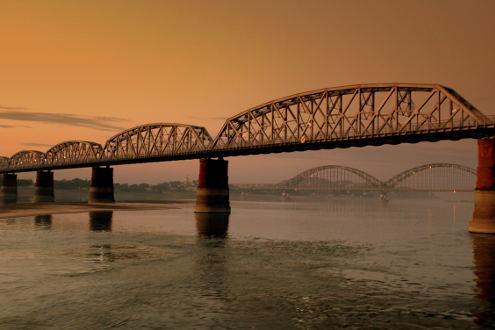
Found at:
<point>339,263</point>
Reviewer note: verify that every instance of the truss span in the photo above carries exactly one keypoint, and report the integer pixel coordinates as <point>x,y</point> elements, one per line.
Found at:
<point>358,115</point>
<point>332,177</point>
<point>4,161</point>
<point>340,117</point>
<point>437,176</point>
<point>70,152</point>
<point>157,140</point>
<point>27,159</point>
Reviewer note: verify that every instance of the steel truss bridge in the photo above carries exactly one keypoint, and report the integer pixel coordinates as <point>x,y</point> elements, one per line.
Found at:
<point>429,177</point>
<point>341,117</point>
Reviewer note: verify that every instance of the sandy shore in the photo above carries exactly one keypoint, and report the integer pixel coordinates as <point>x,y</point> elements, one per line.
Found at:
<point>32,209</point>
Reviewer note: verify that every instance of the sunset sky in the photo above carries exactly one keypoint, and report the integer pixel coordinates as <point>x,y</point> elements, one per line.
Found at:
<point>87,69</point>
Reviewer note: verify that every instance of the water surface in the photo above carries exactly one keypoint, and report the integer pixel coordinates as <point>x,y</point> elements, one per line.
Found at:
<point>341,262</point>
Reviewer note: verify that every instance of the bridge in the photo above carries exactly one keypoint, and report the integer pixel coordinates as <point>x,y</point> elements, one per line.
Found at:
<point>435,177</point>
<point>340,117</point>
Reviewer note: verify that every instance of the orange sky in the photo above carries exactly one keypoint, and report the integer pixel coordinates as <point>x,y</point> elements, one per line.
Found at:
<point>201,61</point>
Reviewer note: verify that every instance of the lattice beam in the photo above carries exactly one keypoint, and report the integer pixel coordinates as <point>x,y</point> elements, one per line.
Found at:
<point>154,140</point>
<point>70,152</point>
<point>351,112</point>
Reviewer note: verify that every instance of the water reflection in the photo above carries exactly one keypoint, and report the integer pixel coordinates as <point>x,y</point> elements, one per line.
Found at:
<point>212,258</point>
<point>484,270</point>
<point>43,221</point>
<point>100,220</point>
<point>212,225</point>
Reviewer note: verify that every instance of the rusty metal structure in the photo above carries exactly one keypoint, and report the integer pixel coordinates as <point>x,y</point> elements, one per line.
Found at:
<point>27,159</point>
<point>70,152</point>
<point>4,162</point>
<point>157,140</point>
<point>359,115</point>
<point>429,177</point>
<point>340,117</point>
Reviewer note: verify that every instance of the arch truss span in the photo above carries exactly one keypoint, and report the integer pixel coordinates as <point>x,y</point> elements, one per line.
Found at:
<point>74,152</point>
<point>371,112</point>
<point>157,140</point>
<point>331,178</point>
<point>4,162</point>
<point>435,177</point>
<point>27,159</point>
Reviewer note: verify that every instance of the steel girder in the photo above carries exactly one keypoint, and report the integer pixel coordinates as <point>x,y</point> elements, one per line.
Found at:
<point>27,159</point>
<point>154,140</point>
<point>351,113</point>
<point>74,152</point>
<point>4,161</point>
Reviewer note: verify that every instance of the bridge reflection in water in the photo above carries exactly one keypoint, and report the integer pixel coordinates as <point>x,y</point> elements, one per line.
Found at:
<point>484,270</point>
<point>212,225</point>
<point>43,221</point>
<point>100,220</point>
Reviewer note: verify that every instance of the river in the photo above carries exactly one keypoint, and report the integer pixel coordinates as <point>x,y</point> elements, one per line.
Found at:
<point>331,264</point>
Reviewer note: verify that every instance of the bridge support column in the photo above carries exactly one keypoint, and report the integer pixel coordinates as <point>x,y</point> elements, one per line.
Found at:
<point>8,190</point>
<point>484,196</point>
<point>101,186</point>
<point>212,195</point>
<point>43,187</point>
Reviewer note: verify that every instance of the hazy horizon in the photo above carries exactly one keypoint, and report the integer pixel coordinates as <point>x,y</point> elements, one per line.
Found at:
<point>87,70</point>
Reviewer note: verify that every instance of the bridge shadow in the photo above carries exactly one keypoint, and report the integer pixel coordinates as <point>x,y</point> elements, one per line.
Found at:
<point>43,221</point>
<point>484,271</point>
<point>100,220</point>
<point>212,258</point>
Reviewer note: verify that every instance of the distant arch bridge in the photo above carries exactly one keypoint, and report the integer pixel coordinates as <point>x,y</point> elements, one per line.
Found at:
<point>428,177</point>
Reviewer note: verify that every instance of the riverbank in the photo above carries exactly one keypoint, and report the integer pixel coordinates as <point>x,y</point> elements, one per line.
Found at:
<point>32,209</point>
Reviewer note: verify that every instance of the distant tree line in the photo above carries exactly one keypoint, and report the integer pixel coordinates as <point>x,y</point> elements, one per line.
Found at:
<point>24,183</point>
<point>80,184</point>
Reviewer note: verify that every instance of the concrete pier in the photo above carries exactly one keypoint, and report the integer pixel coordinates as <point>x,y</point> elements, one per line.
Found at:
<point>484,196</point>
<point>101,186</point>
<point>212,195</point>
<point>8,189</point>
<point>43,187</point>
